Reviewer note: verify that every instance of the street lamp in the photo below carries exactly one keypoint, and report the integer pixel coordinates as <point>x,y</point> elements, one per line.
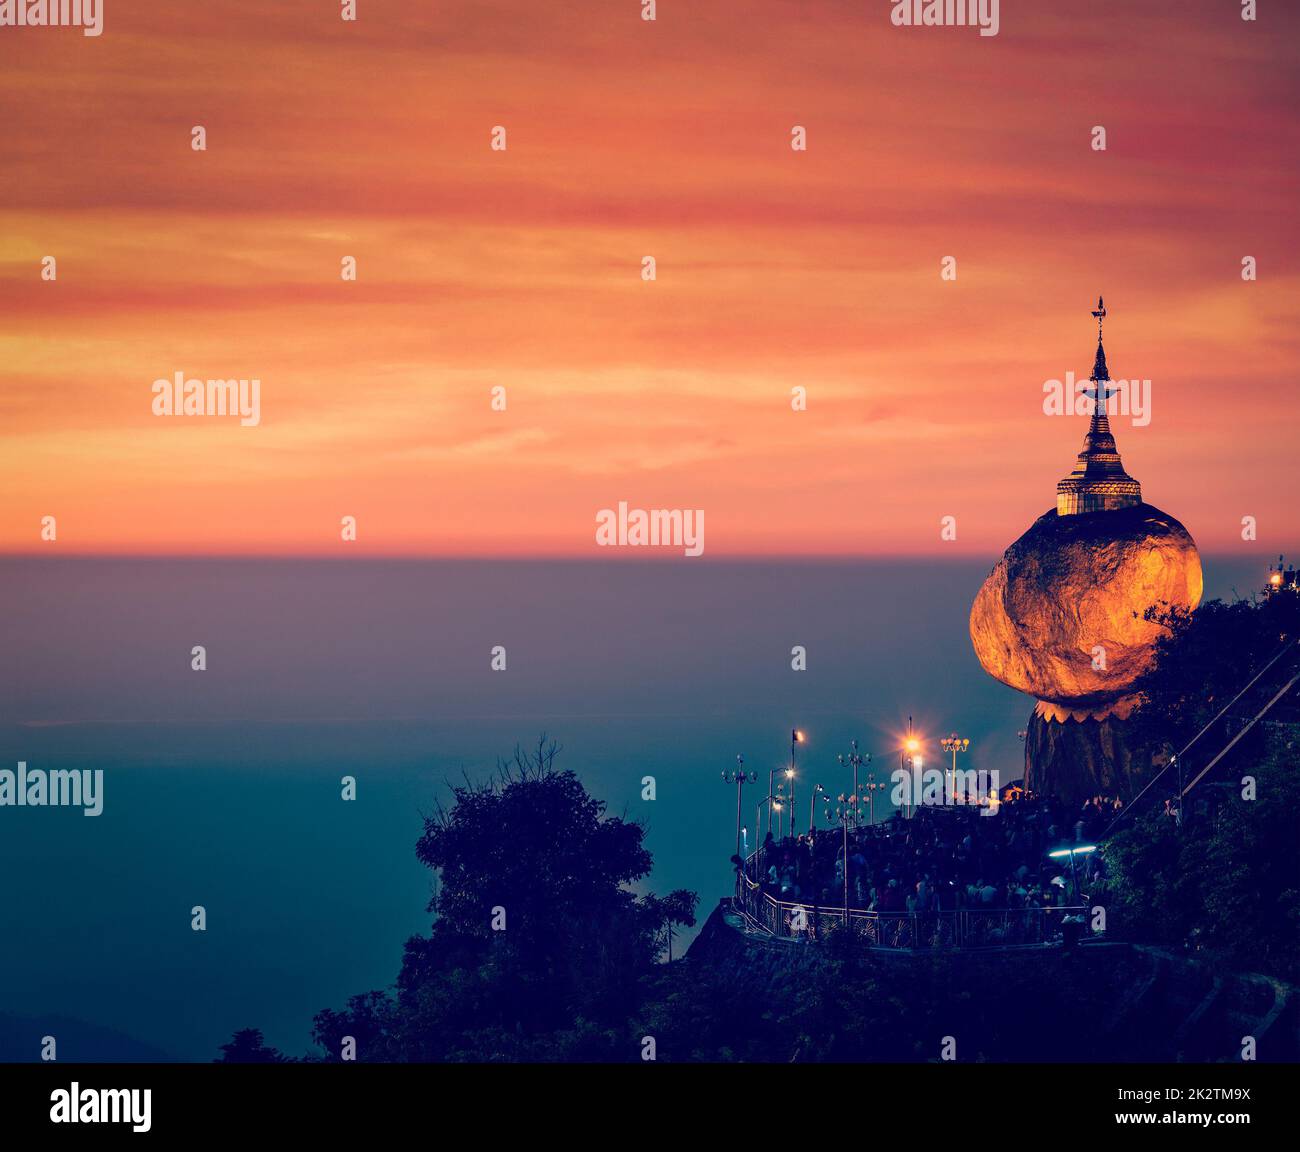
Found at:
<point>842,815</point>
<point>758,824</point>
<point>796,738</point>
<point>954,744</point>
<point>909,761</point>
<point>739,778</point>
<point>771,797</point>
<point>818,790</point>
<point>1081,850</point>
<point>871,788</point>
<point>857,761</point>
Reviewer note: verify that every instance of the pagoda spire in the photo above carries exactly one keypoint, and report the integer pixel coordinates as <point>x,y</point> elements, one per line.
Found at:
<point>1098,482</point>
<point>1099,370</point>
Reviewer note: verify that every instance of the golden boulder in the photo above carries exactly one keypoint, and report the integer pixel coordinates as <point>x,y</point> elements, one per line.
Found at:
<point>1063,616</point>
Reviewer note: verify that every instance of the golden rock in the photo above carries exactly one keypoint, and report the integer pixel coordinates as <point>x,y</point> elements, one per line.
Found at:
<point>1062,616</point>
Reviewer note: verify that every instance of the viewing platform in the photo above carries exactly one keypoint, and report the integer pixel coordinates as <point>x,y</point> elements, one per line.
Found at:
<point>964,928</point>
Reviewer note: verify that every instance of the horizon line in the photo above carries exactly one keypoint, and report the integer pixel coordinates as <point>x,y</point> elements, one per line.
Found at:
<point>656,555</point>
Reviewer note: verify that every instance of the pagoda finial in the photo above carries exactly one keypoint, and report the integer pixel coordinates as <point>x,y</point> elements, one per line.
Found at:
<point>1099,369</point>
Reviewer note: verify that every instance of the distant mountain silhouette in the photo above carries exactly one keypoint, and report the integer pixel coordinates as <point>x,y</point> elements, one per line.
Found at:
<point>78,1041</point>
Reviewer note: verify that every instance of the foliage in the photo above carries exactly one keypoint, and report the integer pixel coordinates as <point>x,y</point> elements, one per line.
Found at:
<point>1226,883</point>
<point>835,1003</point>
<point>247,1047</point>
<point>540,946</point>
<point>1204,658</point>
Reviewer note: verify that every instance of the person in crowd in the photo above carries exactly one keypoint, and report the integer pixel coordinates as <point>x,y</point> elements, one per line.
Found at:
<point>944,858</point>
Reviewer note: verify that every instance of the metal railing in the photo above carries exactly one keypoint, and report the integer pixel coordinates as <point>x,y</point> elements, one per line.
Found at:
<point>1290,647</point>
<point>903,931</point>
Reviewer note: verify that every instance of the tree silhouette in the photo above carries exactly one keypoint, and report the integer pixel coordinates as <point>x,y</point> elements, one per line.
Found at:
<point>540,946</point>
<point>677,908</point>
<point>246,1047</point>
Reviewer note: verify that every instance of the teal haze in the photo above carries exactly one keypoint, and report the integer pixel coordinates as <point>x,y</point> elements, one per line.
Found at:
<point>222,787</point>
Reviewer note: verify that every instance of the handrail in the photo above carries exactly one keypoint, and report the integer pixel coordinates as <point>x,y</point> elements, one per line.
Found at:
<point>965,928</point>
<point>838,909</point>
<point>1254,720</point>
<point>1132,805</point>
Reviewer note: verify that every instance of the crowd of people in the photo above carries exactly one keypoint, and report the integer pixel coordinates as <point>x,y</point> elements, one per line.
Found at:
<point>944,858</point>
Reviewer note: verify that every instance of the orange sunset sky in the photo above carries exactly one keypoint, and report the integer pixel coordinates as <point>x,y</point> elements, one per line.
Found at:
<point>522,268</point>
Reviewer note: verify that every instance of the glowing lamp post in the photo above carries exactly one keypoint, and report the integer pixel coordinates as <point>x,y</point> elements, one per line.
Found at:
<point>796,738</point>
<point>1081,850</point>
<point>909,761</point>
<point>954,744</point>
